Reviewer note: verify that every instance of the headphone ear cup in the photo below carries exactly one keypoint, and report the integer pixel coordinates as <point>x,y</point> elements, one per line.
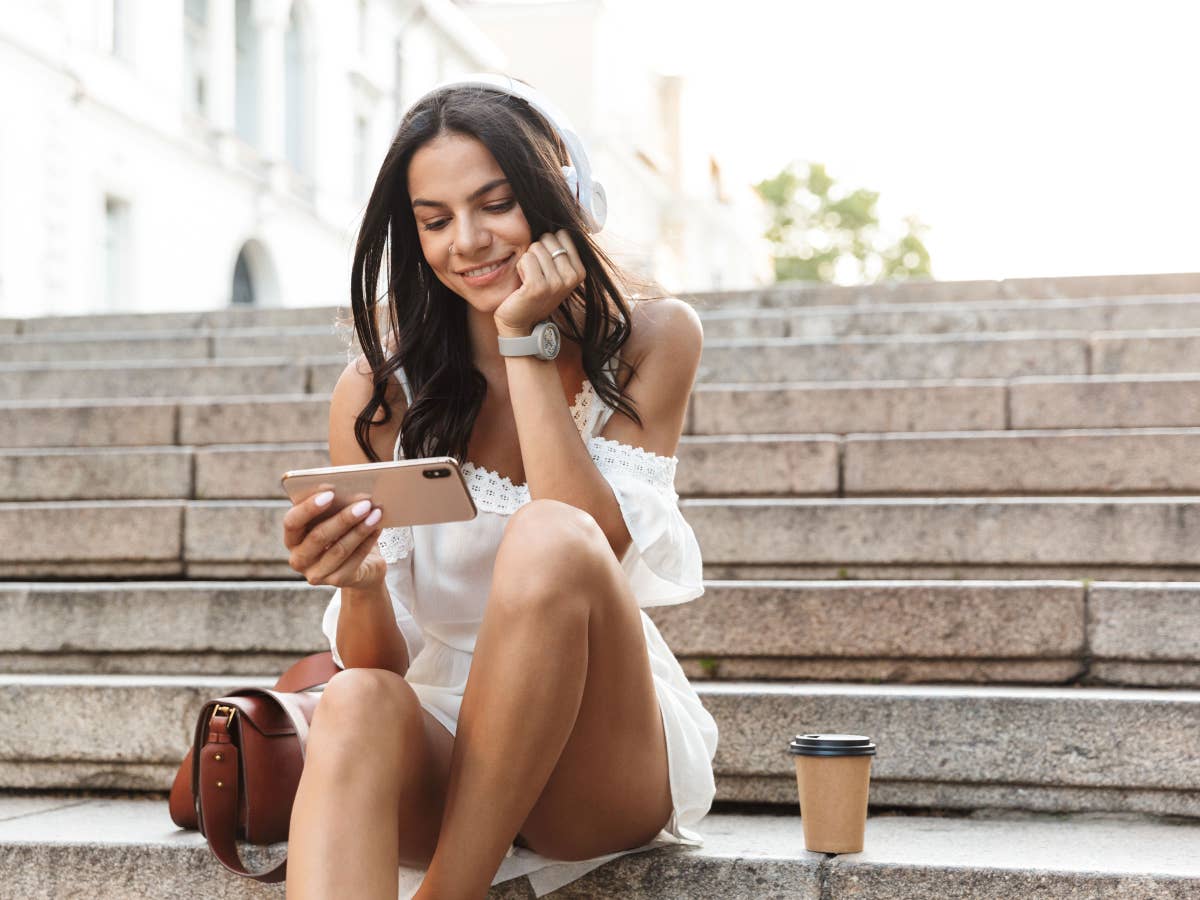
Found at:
<point>572,177</point>
<point>599,206</point>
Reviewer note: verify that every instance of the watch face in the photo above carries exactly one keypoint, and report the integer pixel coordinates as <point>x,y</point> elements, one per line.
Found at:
<point>550,341</point>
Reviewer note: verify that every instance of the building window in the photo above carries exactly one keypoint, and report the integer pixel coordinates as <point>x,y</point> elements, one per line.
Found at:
<point>296,91</point>
<point>195,55</point>
<point>246,73</point>
<point>116,253</point>
<point>243,282</point>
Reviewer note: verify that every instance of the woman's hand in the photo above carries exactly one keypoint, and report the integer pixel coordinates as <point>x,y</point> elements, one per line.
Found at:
<point>545,283</point>
<point>341,549</point>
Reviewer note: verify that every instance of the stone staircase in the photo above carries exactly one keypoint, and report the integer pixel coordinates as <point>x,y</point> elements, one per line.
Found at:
<point>956,516</point>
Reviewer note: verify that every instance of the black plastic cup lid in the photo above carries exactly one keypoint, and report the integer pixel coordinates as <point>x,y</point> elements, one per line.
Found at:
<point>831,745</point>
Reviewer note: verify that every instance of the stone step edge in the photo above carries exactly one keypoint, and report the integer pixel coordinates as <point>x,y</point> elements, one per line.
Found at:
<point>335,329</point>
<point>1034,693</point>
<point>748,437</point>
<point>743,854</point>
<point>918,342</point>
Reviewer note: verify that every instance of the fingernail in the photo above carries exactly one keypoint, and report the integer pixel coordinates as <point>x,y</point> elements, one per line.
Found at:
<point>360,508</point>
<point>374,517</point>
<point>323,498</point>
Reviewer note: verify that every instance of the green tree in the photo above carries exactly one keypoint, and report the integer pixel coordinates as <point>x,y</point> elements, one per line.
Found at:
<point>818,230</point>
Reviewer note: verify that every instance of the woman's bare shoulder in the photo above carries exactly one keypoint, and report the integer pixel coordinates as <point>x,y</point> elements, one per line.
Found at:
<point>351,394</point>
<point>662,321</point>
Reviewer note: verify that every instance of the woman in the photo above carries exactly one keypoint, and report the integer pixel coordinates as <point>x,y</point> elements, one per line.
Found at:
<point>505,704</point>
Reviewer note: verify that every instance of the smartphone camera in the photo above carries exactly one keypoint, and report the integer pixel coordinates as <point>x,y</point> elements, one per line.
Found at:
<point>436,473</point>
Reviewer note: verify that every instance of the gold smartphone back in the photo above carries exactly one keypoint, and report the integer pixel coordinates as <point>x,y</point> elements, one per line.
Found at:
<point>408,491</point>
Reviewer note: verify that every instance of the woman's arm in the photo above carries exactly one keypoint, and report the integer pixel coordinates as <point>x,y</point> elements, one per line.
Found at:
<point>666,341</point>
<point>367,633</point>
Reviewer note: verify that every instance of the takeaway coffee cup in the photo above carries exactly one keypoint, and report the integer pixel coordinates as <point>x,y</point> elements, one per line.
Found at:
<point>833,773</point>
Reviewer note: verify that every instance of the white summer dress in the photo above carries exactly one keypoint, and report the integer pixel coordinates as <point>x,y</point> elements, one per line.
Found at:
<point>439,577</point>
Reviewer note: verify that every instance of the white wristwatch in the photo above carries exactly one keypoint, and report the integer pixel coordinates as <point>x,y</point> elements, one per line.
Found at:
<point>544,342</point>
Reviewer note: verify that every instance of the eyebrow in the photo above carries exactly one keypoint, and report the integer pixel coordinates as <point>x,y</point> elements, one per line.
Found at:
<point>474,196</point>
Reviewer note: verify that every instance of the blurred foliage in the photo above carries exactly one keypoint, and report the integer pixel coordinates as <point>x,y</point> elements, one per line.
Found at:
<point>821,232</point>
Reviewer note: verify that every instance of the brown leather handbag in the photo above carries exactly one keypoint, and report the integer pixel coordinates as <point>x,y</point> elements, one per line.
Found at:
<point>239,779</point>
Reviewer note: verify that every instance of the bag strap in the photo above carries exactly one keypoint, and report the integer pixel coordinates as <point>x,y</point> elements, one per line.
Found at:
<point>308,673</point>
<point>218,779</point>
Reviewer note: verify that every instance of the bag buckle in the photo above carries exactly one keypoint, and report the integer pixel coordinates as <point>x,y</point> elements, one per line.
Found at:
<point>231,711</point>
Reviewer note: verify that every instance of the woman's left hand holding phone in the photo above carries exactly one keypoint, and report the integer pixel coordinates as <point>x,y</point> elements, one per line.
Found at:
<point>340,549</point>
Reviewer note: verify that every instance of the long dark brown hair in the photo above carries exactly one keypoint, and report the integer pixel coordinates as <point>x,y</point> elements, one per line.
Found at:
<point>426,321</point>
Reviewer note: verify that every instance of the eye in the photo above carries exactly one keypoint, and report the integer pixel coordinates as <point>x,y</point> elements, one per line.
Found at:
<point>434,226</point>
<point>502,206</point>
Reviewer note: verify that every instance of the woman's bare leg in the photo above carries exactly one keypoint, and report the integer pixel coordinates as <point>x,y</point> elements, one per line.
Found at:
<point>372,791</point>
<point>524,692</point>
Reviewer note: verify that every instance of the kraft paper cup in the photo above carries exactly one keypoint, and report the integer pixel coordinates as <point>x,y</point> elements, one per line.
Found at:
<point>833,776</point>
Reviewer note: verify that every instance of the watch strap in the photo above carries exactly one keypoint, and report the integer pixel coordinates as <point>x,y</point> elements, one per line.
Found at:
<point>520,346</point>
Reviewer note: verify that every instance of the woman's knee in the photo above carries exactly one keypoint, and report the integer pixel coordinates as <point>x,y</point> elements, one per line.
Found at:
<point>365,708</point>
<point>549,550</point>
<point>544,535</point>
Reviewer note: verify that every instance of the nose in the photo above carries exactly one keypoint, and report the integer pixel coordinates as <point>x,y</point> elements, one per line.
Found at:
<point>470,235</point>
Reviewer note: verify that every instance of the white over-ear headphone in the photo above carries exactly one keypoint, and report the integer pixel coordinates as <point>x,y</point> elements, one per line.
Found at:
<point>584,187</point>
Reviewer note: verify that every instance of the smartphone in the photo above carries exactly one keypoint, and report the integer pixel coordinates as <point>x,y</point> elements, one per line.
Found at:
<point>408,491</point>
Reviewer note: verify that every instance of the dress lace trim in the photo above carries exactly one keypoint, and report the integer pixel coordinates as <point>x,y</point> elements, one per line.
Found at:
<point>395,543</point>
<point>614,456</point>
<point>496,493</point>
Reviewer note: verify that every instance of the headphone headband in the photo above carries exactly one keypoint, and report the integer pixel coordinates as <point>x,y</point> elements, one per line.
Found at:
<point>585,188</point>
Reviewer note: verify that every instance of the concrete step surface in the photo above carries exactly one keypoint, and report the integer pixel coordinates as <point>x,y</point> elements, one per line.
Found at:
<point>949,746</point>
<point>879,631</point>
<point>758,360</point>
<point>72,846</point>
<point>801,294</point>
<point>227,318</point>
<point>1075,537</point>
<point>1019,462</point>
<point>785,295</point>
<point>206,343</point>
<point>1096,314</point>
<point>182,338</point>
<point>1094,401</point>
<point>957,405</point>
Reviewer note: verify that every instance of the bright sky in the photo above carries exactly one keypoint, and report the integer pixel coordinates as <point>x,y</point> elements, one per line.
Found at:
<point>1051,138</point>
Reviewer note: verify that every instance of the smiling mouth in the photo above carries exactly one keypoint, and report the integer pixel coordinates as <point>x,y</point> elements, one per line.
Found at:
<point>486,269</point>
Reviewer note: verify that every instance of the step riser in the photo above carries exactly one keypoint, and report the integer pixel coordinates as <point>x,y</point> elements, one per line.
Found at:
<point>808,409</point>
<point>230,317</point>
<point>722,362</point>
<point>893,359</point>
<point>283,377</point>
<point>1041,464</point>
<point>1139,315</point>
<point>976,465</point>
<point>968,737</point>
<point>177,345</point>
<point>780,790</point>
<point>1149,532</point>
<point>951,736</point>
<point>1078,287</point>
<point>928,572</point>
<point>981,532</point>
<point>838,631</point>
<point>306,340</point>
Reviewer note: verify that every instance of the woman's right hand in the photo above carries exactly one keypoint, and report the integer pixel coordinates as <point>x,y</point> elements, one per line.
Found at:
<point>342,549</point>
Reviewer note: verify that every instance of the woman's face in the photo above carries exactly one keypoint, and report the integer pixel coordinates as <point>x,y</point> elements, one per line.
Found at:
<point>467,219</point>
